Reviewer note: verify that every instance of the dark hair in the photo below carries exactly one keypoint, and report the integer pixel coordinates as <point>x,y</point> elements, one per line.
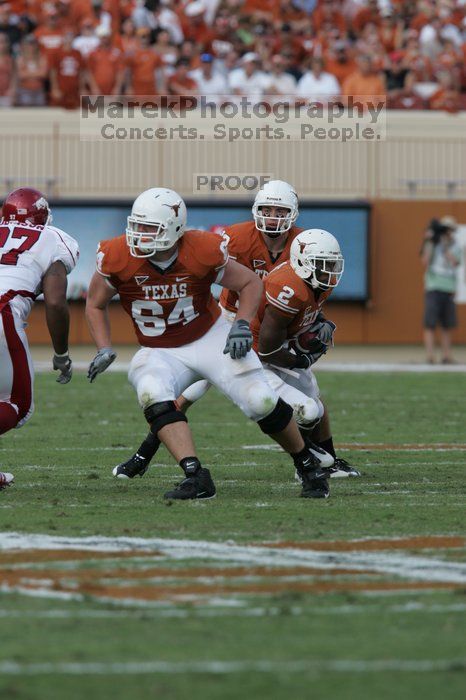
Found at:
<point>438,230</point>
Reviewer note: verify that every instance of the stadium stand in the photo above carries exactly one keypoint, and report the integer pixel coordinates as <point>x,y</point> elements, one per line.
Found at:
<point>412,51</point>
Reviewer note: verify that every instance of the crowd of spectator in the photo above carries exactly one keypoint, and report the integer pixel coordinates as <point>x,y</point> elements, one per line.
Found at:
<point>411,51</point>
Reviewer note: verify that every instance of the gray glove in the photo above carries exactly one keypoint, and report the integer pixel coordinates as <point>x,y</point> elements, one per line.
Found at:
<point>325,330</point>
<point>101,361</point>
<point>64,365</point>
<point>239,340</point>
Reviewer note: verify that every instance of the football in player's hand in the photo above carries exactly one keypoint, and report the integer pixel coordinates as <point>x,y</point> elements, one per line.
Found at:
<point>308,342</point>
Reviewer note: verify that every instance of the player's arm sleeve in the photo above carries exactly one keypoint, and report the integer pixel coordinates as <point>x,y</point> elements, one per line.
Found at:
<point>105,263</point>
<point>66,250</point>
<point>213,255</point>
<point>282,297</point>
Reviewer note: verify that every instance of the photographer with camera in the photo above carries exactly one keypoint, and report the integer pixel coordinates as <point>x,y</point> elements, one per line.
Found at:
<point>440,256</point>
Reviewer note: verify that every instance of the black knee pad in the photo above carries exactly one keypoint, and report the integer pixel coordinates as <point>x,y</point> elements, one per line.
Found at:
<point>276,421</point>
<point>158,415</point>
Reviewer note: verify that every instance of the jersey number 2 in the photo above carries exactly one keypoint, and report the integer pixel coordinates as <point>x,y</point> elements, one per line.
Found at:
<point>11,257</point>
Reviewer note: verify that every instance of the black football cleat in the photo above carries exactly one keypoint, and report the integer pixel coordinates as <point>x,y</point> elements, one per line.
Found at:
<point>342,470</point>
<point>312,476</point>
<point>6,479</point>
<point>315,484</point>
<point>135,466</point>
<point>198,486</point>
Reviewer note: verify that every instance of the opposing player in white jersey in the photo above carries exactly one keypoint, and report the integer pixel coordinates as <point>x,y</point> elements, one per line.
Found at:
<point>35,258</point>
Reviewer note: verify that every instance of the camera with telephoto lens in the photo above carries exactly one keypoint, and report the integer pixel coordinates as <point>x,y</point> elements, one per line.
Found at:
<point>438,230</point>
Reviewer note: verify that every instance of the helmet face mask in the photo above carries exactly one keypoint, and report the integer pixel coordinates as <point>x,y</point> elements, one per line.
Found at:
<point>326,273</point>
<point>273,226</point>
<point>280,198</point>
<point>315,256</point>
<point>156,222</point>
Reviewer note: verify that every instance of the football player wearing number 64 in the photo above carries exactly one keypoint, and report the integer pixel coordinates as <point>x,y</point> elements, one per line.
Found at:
<point>35,257</point>
<point>163,275</point>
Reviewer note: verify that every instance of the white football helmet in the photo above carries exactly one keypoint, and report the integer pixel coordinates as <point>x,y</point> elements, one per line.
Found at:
<point>156,222</point>
<point>275,193</point>
<point>316,257</point>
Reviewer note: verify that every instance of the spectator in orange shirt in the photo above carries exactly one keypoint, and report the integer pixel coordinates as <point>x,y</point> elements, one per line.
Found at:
<point>50,35</point>
<point>370,13</point>
<point>144,65</point>
<point>79,10</point>
<point>328,12</point>
<point>180,83</point>
<point>447,97</point>
<point>7,74</point>
<point>128,38</point>
<point>365,83</point>
<point>67,75</point>
<point>195,28</point>
<point>259,10</point>
<point>31,70</point>
<point>105,66</point>
<point>340,62</point>
<point>390,31</point>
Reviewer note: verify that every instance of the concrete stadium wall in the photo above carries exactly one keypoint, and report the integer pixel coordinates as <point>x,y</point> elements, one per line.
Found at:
<point>393,315</point>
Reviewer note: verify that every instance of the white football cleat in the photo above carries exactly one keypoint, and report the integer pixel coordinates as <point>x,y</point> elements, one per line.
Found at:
<point>325,458</point>
<point>6,479</point>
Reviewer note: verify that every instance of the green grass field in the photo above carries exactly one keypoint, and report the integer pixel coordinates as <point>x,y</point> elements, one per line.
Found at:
<point>257,593</point>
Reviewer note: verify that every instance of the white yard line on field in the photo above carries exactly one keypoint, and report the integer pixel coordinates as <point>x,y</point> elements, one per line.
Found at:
<point>154,610</point>
<point>14,668</point>
<point>46,366</point>
<point>394,563</point>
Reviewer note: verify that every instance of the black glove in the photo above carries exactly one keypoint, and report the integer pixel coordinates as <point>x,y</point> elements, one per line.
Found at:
<point>306,359</point>
<point>239,340</point>
<point>324,330</point>
<point>64,365</point>
<point>101,361</point>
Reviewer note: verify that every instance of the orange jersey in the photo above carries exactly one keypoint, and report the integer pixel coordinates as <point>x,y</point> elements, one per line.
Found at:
<point>172,307</point>
<point>143,63</point>
<point>291,296</point>
<point>246,246</point>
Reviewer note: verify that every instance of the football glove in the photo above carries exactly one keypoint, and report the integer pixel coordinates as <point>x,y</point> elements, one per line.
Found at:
<point>239,340</point>
<point>64,365</point>
<point>306,359</point>
<point>101,361</point>
<point>324,330</point>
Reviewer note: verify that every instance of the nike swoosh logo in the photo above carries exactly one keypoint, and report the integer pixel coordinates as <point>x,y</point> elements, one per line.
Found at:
<point>181,279</point>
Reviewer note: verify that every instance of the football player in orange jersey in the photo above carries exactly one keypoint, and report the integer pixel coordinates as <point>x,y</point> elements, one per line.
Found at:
<point>260,245</point>
<point>290,311</point>
<point>164,276</point>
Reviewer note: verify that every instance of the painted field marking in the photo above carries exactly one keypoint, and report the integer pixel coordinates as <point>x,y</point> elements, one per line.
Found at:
<point>169,610</point>
<point>14,668</point>
<point>263,569</point>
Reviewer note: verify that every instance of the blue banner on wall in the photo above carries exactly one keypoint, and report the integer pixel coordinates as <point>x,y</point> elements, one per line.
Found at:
<point>91,223</point>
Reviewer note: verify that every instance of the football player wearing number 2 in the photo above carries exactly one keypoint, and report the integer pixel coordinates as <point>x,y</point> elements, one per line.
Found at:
<point>163,275</point>
<point>290,332</point>
<point>35,257</point>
